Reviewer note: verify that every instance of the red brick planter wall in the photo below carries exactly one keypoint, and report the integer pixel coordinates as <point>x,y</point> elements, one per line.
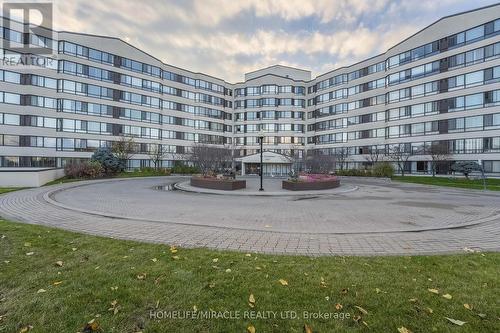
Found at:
<point>218,184</point>
<point>310,186</point>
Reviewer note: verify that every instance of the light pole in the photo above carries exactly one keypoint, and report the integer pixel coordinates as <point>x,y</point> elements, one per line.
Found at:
<point>261,139</point>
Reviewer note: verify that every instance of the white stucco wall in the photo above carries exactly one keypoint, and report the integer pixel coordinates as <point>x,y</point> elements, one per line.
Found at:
<point>28,177</point>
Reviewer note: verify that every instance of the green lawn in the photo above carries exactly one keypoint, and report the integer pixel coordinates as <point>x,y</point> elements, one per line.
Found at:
<point>9,189</point>
<point>119,283</point>
<point>492,184</point>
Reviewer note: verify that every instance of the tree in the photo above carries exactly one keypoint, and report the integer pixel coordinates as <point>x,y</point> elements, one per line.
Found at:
<point>320,163</point>
<point>400,154</point>
<point>124,149</point>
<point>341,155</point>
<point>110,163</point>
<point>156,154</point>
<point>467,168</point>
<point>210,159</point>
<point>374,155</point>
<point>439,152</point>
<point>296,156</point>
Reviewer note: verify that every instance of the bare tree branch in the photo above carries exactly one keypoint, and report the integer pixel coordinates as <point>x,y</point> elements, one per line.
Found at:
<point>400,154</point>
<point>157,153</point>
<point>341,155</point>
<point>124,149</point>
<point>210,159</point>
<point>439,152</point>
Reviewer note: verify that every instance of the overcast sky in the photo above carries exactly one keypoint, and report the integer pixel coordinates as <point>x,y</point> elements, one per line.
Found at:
<point>227,38</point>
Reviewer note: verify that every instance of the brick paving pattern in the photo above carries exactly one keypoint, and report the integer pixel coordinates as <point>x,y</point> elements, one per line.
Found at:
<point>379,218</point>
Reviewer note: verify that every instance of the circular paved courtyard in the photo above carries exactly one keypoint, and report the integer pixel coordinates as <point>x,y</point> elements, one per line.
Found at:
<point>363,216</point>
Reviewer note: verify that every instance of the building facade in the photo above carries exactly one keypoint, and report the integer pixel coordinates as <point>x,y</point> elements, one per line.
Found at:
<point>440,86</point>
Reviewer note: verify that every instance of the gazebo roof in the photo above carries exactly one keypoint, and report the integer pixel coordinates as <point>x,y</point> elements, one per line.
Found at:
<point>268,157</point>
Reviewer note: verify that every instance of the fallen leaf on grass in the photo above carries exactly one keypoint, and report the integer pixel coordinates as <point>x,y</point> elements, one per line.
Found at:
<point>468,306</point>
<point>322,283</point>
<point>447,296</point>
<point>482,315</point>
<point>307,329</point>
<point>59,263</point>
<point>283,282</point>
<point>248,255</point>
<point>74,249</point>
<point>56,283</point>
<point>91,326</point>
<point>26,329</point>
<point>413,300</point>
<point>251,300</point>
<point>114,307</point>
<point>41,291</point>
<point>338,306</point>
<point>434,291</point>
<point>361,309</point>
<point>175,257</point>
<point>377,290</point>
<point>141,276</point>
<point>30,253</point>
<point>403,329</point>
<point>251,329</point>
<point>344,291</point>
<point>154,260</point>
<point>215,259</point>
<point>228,270</point>
<point>456,321</point>
<point>429,310</point>
<point>114,288</point>
<point>173,249</point>
<point>27,244</point>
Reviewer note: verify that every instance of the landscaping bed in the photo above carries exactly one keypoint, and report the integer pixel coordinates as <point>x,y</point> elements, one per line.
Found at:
<point>311,182</point>
<point>213,183</point>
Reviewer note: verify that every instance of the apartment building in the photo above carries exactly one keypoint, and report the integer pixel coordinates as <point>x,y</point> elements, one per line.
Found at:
<point>440,86</point>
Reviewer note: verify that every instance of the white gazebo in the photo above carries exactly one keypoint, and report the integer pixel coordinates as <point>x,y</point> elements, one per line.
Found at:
<point>274,164</point>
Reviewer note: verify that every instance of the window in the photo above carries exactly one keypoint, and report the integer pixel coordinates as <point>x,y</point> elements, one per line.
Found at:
<point>12,77</point>
<point>11,119</point>
<point>474,33</point>
<point>473,123</point>
<point>476,100</point>
<point>474,78</point>
<point>474,56</point>
<point>12,98</point>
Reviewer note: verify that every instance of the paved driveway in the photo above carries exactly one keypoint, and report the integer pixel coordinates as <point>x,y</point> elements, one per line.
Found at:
<point>377,218</point>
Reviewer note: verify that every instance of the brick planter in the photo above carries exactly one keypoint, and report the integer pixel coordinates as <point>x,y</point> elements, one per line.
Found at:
<point>310,186</point>
<point>218,184</point>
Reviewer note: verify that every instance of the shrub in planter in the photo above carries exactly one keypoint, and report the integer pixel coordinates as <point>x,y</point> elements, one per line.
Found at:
<point>181,168</point>
<point>383,169</point>
<point>111,164</point>
<point>89,169</point>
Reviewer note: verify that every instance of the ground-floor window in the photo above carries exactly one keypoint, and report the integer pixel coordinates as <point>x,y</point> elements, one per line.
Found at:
<point>270,169</point>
